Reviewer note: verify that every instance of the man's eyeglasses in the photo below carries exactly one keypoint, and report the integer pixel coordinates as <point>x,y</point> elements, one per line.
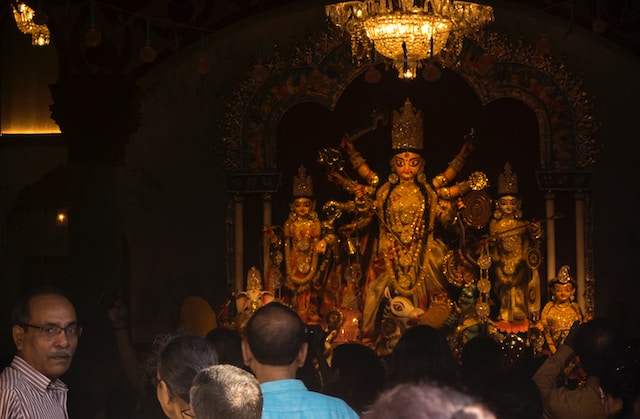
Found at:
<point>52,332</point>
<point>185,414</point>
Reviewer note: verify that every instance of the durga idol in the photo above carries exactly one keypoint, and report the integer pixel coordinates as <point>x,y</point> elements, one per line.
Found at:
<point>408,255</point>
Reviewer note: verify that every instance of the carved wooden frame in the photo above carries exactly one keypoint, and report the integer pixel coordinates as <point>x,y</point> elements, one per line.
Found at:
<point>494,67</point>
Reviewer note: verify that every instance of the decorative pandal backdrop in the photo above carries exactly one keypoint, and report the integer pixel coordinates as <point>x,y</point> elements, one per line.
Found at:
<point>526,108</point>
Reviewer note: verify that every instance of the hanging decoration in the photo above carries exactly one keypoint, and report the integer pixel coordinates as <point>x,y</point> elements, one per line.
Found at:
<point>543,45</point>
<point>32,24</point>
<point>403,32</point>
<point>373,75</point>
<point>203,66</point>
<point>147,53</point>
<point>93,37</point>
<point>260,73</point>
<point>430,72</point>
<point>599,25</point>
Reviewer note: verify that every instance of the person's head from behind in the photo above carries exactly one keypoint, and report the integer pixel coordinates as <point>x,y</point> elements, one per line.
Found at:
<point>179,360</point>
<point>426,401</point>
<point>226,392</point>
<point>275,336</point>
<point>481,354</point>
<point>228,344</point>
<point>357,361</point>
<point>358,375</point>
<point>620,382</point>
<point>595,341</point>
<point>423,353</point>
<point>45,330</point>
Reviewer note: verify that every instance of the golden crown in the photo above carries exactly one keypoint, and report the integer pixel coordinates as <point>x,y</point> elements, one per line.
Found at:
<point>563,276</point>
<point>254,279</point>
<point>507,181</point>
<point>302,184</point>
<point>406,130</point>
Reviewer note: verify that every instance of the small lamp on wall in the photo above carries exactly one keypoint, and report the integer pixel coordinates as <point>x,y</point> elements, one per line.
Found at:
<point>62,217</point>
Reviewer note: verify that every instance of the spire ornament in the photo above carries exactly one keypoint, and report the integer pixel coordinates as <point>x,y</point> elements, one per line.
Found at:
<point>302,184</point>
<point>406,130</point>
<point>507,181</point>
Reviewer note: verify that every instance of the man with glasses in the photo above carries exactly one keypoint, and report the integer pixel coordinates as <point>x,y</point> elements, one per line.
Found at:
<point>46,332</point>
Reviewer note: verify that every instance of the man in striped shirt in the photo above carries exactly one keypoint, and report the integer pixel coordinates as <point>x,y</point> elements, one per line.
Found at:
<point>45,331</point>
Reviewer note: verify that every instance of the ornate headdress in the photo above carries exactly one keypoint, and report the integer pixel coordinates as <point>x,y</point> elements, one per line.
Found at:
<point>254,279</point>
<point>406,130</point>
<point>563,277</point>
<point>302,184</point>
<point>507,181</point>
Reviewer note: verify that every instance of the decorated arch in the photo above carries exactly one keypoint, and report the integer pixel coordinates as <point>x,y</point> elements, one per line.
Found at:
<point>495,67</point>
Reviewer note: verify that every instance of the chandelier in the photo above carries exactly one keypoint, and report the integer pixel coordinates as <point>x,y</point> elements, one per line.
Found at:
<point>27,22</point>
<point>405,31</point>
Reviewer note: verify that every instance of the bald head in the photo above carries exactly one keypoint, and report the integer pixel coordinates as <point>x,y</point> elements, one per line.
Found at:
<point>275,334</point>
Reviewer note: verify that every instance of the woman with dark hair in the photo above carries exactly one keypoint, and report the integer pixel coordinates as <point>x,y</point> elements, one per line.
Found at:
<point>358,375</point>
<point>179,360</point>
<point>423,353</point>
<point>228,344</point>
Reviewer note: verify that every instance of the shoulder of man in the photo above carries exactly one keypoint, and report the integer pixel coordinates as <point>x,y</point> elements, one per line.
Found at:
<point>334,403</point>
<point>10,405</point>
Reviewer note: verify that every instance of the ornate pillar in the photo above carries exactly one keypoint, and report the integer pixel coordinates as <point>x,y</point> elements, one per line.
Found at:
<point>580,250</point>
<point>238,242</point>
<point>578,182</point>
<point>239,185</point>
<point>97,115</point>
<point>550,229</point>
<point>266,208</point>
<point>266,220</point>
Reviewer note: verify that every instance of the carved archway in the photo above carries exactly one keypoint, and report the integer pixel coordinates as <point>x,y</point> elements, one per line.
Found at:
<point>494,67</point>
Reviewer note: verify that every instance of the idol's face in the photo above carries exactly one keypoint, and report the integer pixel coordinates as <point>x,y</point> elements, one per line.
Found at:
<point>407,165</point>
<point>508,204</point>
<point>302,206</point>
<point>563,292</point>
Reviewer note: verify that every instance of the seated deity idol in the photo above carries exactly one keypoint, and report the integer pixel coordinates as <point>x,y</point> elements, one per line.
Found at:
<point>247,302</point>
<point>561,312</point>
<point>408,255</point>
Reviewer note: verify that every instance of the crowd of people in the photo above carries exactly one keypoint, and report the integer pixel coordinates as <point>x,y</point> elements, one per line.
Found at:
<point>277,369</point>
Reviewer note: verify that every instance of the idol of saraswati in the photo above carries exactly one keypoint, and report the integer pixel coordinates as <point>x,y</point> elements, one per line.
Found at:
<point>408,256</point>
<point>515,253</point>
<point>303,245</point>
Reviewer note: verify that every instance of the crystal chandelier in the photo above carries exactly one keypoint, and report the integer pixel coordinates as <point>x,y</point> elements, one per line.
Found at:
<point>405,31</point>
<point>24,17</point>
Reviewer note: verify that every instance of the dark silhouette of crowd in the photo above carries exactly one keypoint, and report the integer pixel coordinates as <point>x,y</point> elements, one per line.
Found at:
<point>279,367</point>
